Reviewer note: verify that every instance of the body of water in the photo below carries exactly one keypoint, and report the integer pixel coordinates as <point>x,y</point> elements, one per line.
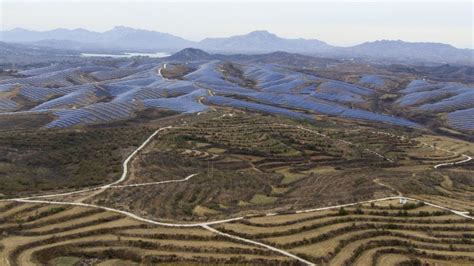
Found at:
<point>125,55</point>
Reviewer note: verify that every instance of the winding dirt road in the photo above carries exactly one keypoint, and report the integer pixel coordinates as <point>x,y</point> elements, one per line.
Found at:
<point>207,225</point>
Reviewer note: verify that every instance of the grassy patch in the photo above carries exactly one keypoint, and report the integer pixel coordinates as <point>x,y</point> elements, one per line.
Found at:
<point>201,144</point>
<point>216,150</point>
<point>262,199</point>
<point>203,211</point>
<point>64,261</point>
<point>243,203</point>
<point>291,153</point>
<point>279,190</point>
<point>289,177</point>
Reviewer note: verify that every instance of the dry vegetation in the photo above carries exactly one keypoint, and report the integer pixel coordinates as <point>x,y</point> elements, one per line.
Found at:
<point>381,233</point>
<point>175,71</point>
<point>366,234</point>
<point>246,163</point>
<point>33,161</point>
<point>251,165</point>
<point>49,235</point>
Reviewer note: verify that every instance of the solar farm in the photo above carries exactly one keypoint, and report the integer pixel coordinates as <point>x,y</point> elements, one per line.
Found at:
<point>90,93</point>
<point>231,159</point>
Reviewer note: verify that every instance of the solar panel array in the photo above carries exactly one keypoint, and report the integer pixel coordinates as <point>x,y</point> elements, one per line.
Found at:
<point>308,104</point>
<point>457,100</point>
<point>460,101</point>
<point>341,92</point>
<point>40,94</point>
<point>375,80</point>
<point>95,113</point>
<point>462,119</point>
<point>209,76</point>
<point>431,92</point>
<point>78,98</point>
<point>225,101</point>
<point>163,89</point>
<point>7,87</point>
<point>7,105</point>
<point>113,74</point>
<point>187,103</point>
<point>61,78</point>
<point>275,79</point>
<point>89,93</point>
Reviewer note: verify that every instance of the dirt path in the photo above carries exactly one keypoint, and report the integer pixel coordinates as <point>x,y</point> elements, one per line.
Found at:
<point>467,157</point>
<point>345,142</point>
<point>161,74</point>
<point>102,188</point>
<point>377,181</point>
<point>257,244</point>
<point>207,225</point>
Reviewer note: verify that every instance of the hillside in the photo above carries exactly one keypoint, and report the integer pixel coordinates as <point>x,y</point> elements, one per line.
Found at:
<point>303,87</point>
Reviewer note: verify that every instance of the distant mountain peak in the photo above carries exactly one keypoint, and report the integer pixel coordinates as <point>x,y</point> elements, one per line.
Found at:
<point>190,54</point>
<point>401,42</point>
<point>261,33</point>
<point>19,29</point>
<point>261,41</point>
<point>123,28</point>
<point>64,30</point>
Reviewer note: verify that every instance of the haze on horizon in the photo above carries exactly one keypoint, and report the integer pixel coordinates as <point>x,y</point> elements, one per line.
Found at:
<point>342,24</point>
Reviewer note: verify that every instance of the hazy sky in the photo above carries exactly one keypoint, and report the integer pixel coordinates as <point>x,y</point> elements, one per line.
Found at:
<point>336,23</point>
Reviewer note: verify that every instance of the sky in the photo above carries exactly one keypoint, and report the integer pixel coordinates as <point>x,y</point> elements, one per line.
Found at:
<point>337,23</point>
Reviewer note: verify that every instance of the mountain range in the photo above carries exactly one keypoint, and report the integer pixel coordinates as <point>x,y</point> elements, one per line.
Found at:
<point>120,39</point>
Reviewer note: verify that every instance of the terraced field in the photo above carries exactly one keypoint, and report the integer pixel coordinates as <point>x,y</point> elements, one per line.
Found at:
<point>244,163</point>
<point>359,234</point>
<point>262,200</point>
<point>45,234</point>
<point>365,234</point>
